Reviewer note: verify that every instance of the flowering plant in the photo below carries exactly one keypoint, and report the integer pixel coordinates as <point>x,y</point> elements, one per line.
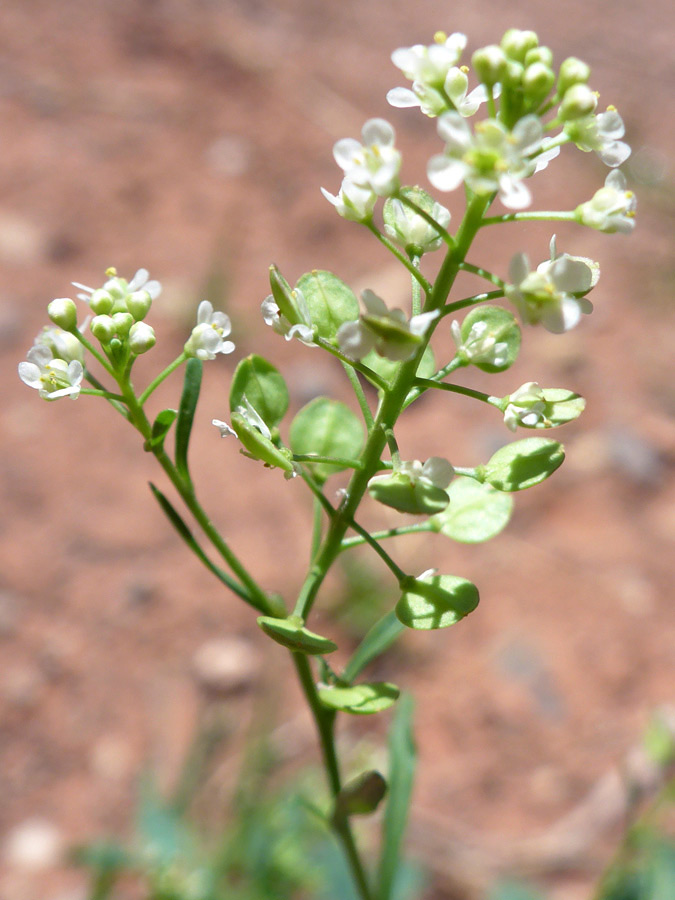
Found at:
<point>532,111</point>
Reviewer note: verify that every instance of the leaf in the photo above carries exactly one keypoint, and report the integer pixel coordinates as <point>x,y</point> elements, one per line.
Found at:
<point>160,427</point>
<point>522,464</point>
<point>360,796</point>
<point>186,413</point>
<point>401,774</point>
<point>326,428</point>
<point>502,326</point>
<point>185,533</point>
<point>436,601</point>
<point>330,301</point>
<point>476,512</point>
<point>292,634</point>
<point>360,699</point>
<point>264,388</point>
<point>380,637</point>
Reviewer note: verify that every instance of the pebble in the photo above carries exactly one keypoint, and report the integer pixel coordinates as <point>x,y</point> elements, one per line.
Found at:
<point>226,665</point>
<point>34,844</point>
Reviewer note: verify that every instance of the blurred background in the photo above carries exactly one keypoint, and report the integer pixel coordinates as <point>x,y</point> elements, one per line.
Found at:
<point>192,138</point>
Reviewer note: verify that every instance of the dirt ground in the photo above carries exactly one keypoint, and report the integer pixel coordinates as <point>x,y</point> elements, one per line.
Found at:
<point>192,138</point>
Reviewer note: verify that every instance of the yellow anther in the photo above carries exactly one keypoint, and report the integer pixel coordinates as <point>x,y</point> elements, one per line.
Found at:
<point>111,272</point>
<point>440,37</point>
<point>464,69</point>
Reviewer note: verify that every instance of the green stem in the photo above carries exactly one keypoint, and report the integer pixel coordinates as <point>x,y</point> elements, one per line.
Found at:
<point>456,389</point>
<point>348,543</point>
<point>370,375</point>
<point>401,257</point>
<point>381,552</point>
<point>333,460</point>
<point>360,396</point>
<point>324,720</point>
<point>317,527</point>
<point>478,270</point>
<point>531,217</point>
<point>416,295</point>
<point>470,301</point>
<point>155,383</point>
<point>94,352</point>
<point>118,398</point>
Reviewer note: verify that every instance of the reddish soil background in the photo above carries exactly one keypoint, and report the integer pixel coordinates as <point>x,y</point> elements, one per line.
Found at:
<point>191,138</point>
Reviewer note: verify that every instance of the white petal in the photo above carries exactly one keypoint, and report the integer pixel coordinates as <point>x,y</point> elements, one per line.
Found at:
<point>355,340</point>
<point>30,374</point>
<point>344,152</point>
<point>138,280</point>
<point>438,471</point>
<point>223,427</point>
<point>513,193</point>
<point>375,306</point>
<point>204,312</point>
<point>378,131</point>
<point>445,173</point>
<point>560,317</point>
<point>402,98</point>
<point>519,268</point>
<point>541,161</point>
<point>419,325</point>
<point>570,275</point>
<point>614,154</point>
<point>454,131</point>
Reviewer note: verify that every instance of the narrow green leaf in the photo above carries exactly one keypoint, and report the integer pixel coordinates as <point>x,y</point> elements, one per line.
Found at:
<point>186,413</point>
<point>263,386</point>
<point>160,427</point>
<point>360,699</point>
<point>476,512</point>
<point>401,774</point>
<point>178,523</point>
<point>380,637</point>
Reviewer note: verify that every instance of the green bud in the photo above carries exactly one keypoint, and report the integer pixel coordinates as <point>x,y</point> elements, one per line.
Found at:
<point>101,302</point>
<point>103,328</point>
<point>123,322</point>
<point>538,80</point>
<point>63,313</point>
<point>579,101</point>
<point>572,71</point>
<point>141,338</point>
<point>517,43</point>
<point>139,304</point>
<point>360,796</point>
<point>259,446</point>
<point>539,54</point>
<point>489,64</point>
<point>283,296</point>
<point>513,74</point>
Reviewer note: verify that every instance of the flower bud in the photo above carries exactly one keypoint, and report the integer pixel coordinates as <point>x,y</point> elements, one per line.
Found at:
<point>141,338</point>
<point>63,313</point>
<point>101,302</point>
<point>103,328</point>
<point>539,54</point>
<point>123,322</point>
<point>139,304</point>
<point>283,296</point>
<point>579,101</point>
<point>489,64</point>
<point>517,43</point>
<point>538,80</point>
<point>572,71</point>
<point>413,232</point>
<point>513,74</point>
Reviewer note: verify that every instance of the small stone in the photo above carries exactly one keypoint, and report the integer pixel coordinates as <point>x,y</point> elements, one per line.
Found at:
<point>34,844</point>
<point>226,665</point>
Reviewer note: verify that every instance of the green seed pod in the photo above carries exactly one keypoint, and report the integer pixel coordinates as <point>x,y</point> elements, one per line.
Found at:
<point>259,446</point>
<point>421,498</point>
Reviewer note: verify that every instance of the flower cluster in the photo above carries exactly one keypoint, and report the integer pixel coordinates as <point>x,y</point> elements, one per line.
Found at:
<point>387,331</point>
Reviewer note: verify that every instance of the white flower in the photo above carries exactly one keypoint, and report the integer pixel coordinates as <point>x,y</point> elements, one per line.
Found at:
<point>410,229</point>
<point>62,344</point>
<point>387,331</point>
<point>352,202</point>
<point>601,134</point>
<point>491,159</point>
<point>430,64</point>
<point>303,330</point>
<point>525,407</point>
<point>373,165</point>
<point>207,337</point>
<point>53,378</point>
<point>223,428</point>
<point>480,346</point>
<point>547,295</point>
<point>436,471</point>
<point>612,208</point>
